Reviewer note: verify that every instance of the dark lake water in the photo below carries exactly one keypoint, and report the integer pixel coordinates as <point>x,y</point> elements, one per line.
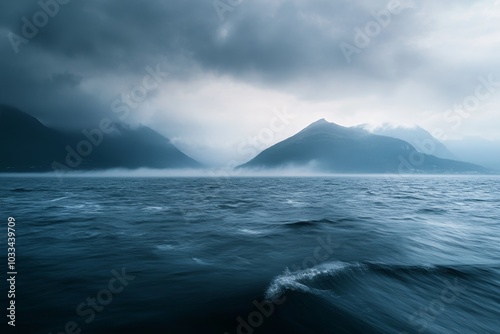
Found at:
<point>256,255</point>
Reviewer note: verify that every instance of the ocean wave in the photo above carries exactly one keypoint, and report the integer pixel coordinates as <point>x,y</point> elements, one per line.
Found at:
<point>309,223</point>
<point>315,279</point>
<point>155,208</point>
<point>431,211</point>
<point>58,199</point>
<point>251,232</point>
<point>83,206</point>
<point>297,281</point>
<point>21,190</point>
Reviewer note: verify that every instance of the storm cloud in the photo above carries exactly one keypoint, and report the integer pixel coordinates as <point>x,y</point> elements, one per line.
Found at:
<point>224,69</point>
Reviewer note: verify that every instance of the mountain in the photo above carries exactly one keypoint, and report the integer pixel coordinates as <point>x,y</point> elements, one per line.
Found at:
<point>27,145</point>
<point>330,147</point>
<point>477,150</point>
<point>418,137</point>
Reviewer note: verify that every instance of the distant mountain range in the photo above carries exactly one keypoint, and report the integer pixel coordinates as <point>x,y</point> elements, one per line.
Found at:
<point>26,145</point>
<point>330,147</point>
<point>418,137</point>
<point>477,150</point>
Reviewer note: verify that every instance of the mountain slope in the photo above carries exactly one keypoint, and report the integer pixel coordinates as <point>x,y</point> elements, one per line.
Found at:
<point>477,150</point>
<point>333,148</point>
<point>418,137</point>
<point>26,145</point>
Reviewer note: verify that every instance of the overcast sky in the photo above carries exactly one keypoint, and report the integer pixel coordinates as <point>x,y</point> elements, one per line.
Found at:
<point>225,71</point>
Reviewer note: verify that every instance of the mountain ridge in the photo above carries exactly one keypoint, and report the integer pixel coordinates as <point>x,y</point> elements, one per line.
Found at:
<point>27,145</point>
<point>334,148</point>
<point>418,137</point>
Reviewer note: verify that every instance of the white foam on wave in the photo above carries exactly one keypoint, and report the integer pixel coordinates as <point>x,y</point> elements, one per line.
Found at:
<point>297,281</point>
<point>296,204</point>
<point>165,247</point>
<point>74,206</point>
<point>154,208</point>
<point>251,232</point>
<point>85,205</point>
<point>200,261</point>
<point>58,199</point>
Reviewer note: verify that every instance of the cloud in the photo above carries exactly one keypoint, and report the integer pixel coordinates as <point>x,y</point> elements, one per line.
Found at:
<point>225,75</point>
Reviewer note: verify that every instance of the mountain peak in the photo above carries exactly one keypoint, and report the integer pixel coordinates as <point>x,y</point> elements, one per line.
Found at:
<point>329,147</point>
<point>322,126</point>
<point>321,121</point>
